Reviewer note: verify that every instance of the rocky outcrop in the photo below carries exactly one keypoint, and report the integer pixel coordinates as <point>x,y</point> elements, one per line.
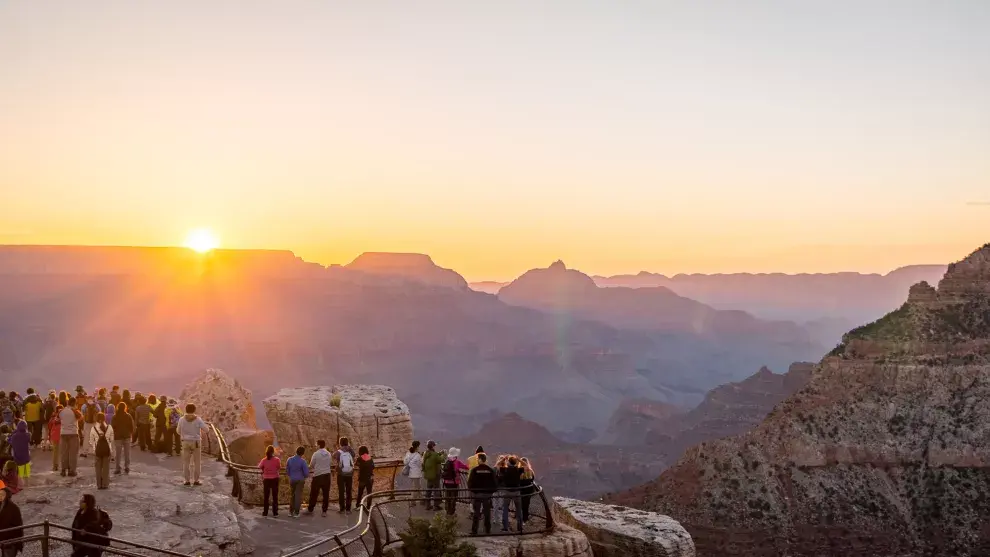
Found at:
<point>147,507</point>
<point>409,266</point>
<point>220,399</point>
<point>564,541</point>
<point>886,451</point>
<point>247,446</point>
<point>369,415</point>
<point>616,531</point>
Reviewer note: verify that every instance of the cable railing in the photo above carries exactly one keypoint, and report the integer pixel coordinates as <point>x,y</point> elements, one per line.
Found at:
<point>47,539</point>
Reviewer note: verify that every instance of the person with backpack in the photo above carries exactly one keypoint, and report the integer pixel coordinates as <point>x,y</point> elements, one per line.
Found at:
<point>10,524</point>
<point>451,476</point>
<point>123,426</point>
<point>321,466</point>
<point>432,464</point>
<point>33,416</point>
<point>172,416</point>
<point>20,445</point>
<point>191,428</point>
<point>55,435</point>
<point>91,526</point>
<point>101,443</point>
<point>90,411</point>
<point>344,460</point>
<point>297,470</point>
<point>483,483</point>
<point>366,473</point>
<point>413,469</point>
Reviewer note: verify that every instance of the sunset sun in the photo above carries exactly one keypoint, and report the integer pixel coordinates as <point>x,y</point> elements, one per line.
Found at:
<point>202,240</point>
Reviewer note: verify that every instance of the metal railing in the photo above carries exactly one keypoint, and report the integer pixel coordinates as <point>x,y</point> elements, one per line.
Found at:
<point>47,539</point>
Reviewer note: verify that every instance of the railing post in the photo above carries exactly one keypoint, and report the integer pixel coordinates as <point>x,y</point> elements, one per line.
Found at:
<point>44,540</point>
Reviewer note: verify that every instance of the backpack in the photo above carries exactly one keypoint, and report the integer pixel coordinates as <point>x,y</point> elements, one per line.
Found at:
<point>102,404</point>
<point>346,463</point>
<point>49,409</point>
<point>448,472</point>
<point>173,419</point>
<point>102,445</point>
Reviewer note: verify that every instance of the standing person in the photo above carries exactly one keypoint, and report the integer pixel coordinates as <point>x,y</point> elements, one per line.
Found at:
<point>20,445</point>
<point>8,475</point>
<point>366,473</point>
<point>344,459</point>
<point>270,466</point>
<point>483,484</point>
<point>509,479</point>
<point>161,426</point>
<point>91,525</point>
<point>142,415</point>
<point>10,523</point>
<point>527,486</point>
<point>33,415</point>
<point>432,464</point>
<point>413,468</point>
<point>297,470</point>
<point>191,428</point>
<point>48,410</point>
<point>451,476</point>
<point>90,410</point>
<point>321,465</point>
<point>69,442</point>
<point>123,427</point>
<point>55,435</point>
<point>472,460</point>
<point>115,397</point>
<point>101,443</point>
<point>172,417</point>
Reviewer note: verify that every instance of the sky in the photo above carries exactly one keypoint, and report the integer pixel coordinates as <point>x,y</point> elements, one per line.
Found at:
<point>716,136</point>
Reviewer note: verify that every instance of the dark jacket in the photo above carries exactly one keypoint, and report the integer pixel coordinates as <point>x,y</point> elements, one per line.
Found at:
<point>10,517</point>
<point>123,426</point>
<point>509,477</point>
<point>160,413</point>
<point>91,526</point>
<point>366,469</point>
<point>482,479</point>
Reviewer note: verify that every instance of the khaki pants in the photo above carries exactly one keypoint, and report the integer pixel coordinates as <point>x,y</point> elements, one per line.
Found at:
<point>192,458</point>
<point>102,471</point>
<point>69,448</point>
<point>55,459</point>
<point>87,429</point>
<point>122,450</point>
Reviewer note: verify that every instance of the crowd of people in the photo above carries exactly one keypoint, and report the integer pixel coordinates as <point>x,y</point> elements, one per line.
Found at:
<point>511,481</point>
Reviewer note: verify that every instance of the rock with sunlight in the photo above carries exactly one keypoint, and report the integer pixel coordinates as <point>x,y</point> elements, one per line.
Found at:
<point>220,399</point>
<point>616,531</point>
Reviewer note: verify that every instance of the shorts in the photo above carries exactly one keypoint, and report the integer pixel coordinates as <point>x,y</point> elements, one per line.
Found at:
<point>24,470</point>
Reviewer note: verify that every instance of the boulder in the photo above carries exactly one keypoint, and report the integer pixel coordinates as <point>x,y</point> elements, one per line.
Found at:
<point>220,399</point>
<point>247,446</point>
<point>147,506</point>
<point>369,415</point>
<point>616,531</point>
<point>563,541</point>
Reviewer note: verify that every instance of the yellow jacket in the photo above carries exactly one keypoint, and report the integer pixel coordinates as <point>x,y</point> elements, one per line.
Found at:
<point>32,411</point>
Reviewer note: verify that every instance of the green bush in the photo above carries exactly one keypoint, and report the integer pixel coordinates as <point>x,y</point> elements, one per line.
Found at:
<point>335,401</point>
<point>436,538</point>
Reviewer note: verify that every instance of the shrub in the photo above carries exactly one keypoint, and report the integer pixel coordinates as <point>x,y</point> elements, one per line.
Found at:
<point>335,401</point>
<point>436,538</point>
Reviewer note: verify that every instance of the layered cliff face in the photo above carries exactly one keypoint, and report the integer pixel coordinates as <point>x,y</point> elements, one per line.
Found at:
<point>884,452</point>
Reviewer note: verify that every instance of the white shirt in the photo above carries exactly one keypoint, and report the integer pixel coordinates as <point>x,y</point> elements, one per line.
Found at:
<point>321,463</point>
<point>415,463</point>
<point>94,436</point>
<point>189,430</point>
<point>68,419</point>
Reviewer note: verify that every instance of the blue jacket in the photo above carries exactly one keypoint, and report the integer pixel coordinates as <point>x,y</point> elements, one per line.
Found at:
<point>20,444</point>
<point>297,469</point>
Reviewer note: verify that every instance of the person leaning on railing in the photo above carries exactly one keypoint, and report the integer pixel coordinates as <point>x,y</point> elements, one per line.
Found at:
<point>482,483</point>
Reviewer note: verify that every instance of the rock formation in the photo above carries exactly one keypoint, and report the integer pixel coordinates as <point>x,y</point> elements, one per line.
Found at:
<point>409,266</point>
<point>246,446</point>
<point>221,399</point>
<point>886,451</point>
<point>564,541</point>
<point>623,532</point>
<point>369,415</point>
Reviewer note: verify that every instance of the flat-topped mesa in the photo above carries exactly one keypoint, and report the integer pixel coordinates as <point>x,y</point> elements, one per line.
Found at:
<point>369,415</point>
<point>616,531</point>
<point>220,399</point>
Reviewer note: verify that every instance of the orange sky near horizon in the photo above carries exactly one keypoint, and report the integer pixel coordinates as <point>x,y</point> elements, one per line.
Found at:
<point>661,136</point>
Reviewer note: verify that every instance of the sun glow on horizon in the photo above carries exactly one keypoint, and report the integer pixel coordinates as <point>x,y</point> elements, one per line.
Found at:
<point>202,240</point>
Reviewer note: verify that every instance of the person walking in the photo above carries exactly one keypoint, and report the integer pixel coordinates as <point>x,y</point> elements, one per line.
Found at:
<point>432,464</point>
<point>123,427</point>
<point>10,524</point>
<point>191,428</point>
<point>69,442</point>
<point>483,483</point>
<point>344,459</point>
<point>366,474</point>
<point>33,411</point>
<point>90,526</point>
<point>55,436</point>
<point>451,476</point>
<point>101,443</point>
<point>297,470</point>
<point>321,466</point>
<point>270,467</point>
<point>142,415</point>
<point>509,480</point>
<point>20,445</point>
<point>413,469</point>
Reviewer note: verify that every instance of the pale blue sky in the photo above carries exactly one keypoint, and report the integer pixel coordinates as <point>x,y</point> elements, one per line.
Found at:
<point>501,135</point>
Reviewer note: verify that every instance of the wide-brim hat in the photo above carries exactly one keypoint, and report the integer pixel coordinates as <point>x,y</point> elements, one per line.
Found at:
<point>454,452</point>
